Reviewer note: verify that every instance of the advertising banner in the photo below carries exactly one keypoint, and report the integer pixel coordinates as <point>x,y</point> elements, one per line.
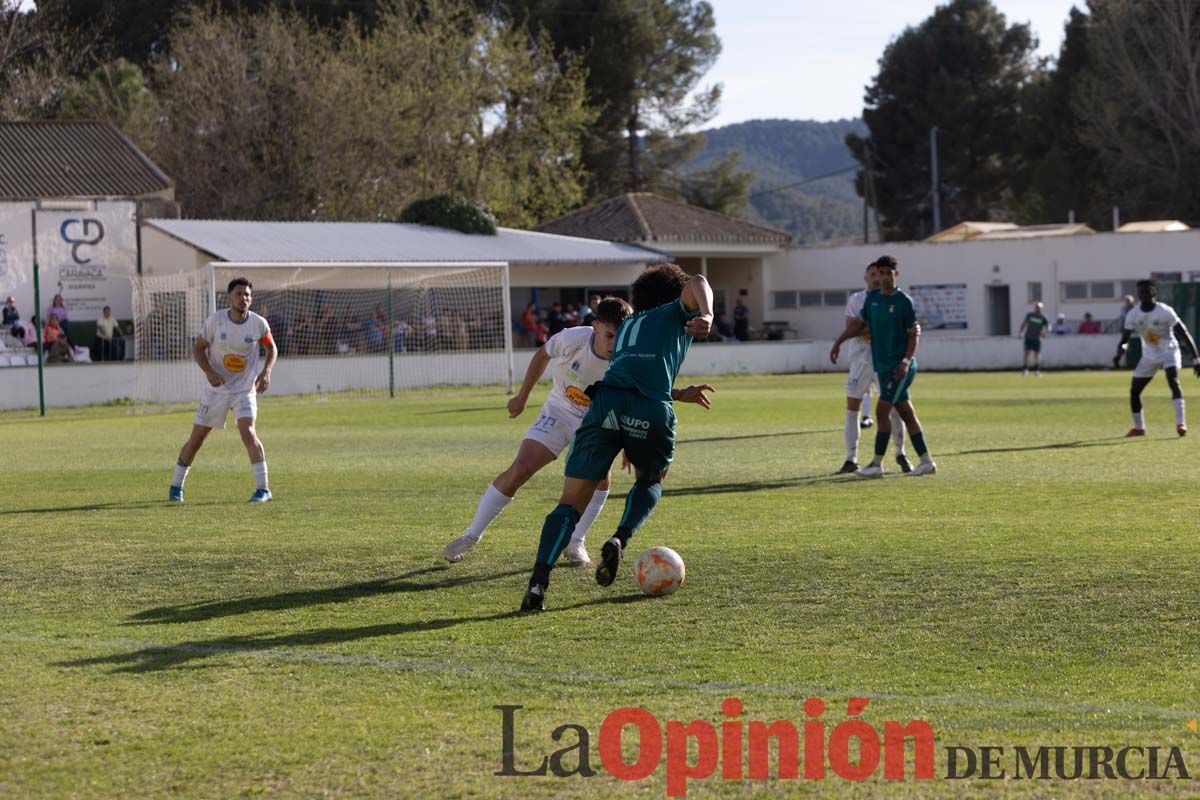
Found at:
<point>88,257</point>
<point>941,306</point>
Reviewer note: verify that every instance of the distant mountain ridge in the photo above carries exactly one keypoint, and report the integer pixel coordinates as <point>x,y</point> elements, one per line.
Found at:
<point>785,151</point>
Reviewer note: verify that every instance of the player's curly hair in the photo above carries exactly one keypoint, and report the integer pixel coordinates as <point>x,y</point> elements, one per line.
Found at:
<point>613,310</point>
<point>884,262</point>
<point>658,285</point>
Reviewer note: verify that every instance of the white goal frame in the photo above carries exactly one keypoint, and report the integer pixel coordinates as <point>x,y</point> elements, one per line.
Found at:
<point>503,266</point>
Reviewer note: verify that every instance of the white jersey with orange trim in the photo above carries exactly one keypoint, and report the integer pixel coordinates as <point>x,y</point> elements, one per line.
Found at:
<point>575,367</point>
<point>233,348</point>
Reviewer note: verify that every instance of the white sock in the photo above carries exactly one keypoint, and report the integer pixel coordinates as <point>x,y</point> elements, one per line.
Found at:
<point>1180,417</point>
<point>260,474</point>
<point>589,515</point>
<point>897,431</point>
<point>490,505</point>
<point>866,404</point>
<point>180,474</point>
<point>1139,420</point>
<point>850,435</point>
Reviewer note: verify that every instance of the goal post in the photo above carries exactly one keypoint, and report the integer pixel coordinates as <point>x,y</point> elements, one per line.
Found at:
<point>366,328</point>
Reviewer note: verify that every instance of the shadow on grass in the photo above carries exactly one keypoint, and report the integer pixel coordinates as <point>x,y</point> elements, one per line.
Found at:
<point>457,410</point>
<point>115,506</point>
<point>748,486</point>
<point>176,656</point>
<point>754,436</point>
<point>756,486</point>
<point>213,609</point>
<point>1107,442</point>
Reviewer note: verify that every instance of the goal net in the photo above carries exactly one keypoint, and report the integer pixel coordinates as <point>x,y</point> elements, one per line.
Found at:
<point>358,329</point>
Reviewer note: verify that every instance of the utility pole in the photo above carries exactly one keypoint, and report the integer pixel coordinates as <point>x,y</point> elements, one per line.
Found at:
<point>937,198</point>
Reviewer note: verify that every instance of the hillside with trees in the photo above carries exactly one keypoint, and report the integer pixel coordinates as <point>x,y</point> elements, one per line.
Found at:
<point>782,152</point>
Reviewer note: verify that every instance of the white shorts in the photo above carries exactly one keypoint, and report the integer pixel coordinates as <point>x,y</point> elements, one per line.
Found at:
<point>554,428</point>
<point>862,375</point>
<point>1148,365</point>
<point>216,404</point>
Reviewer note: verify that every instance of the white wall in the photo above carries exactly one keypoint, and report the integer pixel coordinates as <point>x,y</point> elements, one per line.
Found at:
<point>84,384</point>
<point>1049,260</point>
<point>163,254</point>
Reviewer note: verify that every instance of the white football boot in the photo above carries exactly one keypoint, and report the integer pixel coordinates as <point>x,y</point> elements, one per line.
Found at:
<point>871,470</point>
<point>926,467</point>
<point>455,551</point>
<point>577,555</point>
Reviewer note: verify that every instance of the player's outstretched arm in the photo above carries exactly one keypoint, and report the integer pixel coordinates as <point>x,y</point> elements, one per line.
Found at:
<point>854,326</point>
<point>693,394</point>
<point>910,351</point>
<point>698,296</point>
<point>200,356</point>
<point>264,377</point>
<point>1124,344</point>
<point>537,368</point>
<point>1185,336</point>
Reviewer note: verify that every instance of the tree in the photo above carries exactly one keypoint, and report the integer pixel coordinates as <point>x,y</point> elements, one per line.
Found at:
<point>139,30</point>
<point>723,188</point>
<point>962,70</point>
<point>267,116</point>
<point>1140,104</point>
<point>644,59</point>
<point>116,91</point>
<point>1062,173</point>
<point>39,53</point>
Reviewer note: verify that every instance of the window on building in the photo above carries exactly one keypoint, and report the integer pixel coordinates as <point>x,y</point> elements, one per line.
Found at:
<point>1075,291</point>
<point>835,298</point>
<point>783,300</point>
<point>1034,293</point>
<point>1103,290</point>
<point>1129,287</point>
<point>808,299</point>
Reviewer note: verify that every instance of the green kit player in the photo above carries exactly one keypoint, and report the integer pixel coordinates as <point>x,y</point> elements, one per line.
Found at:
<point>630,411</point>
<point>1034,328</point>
<point>888,315</point>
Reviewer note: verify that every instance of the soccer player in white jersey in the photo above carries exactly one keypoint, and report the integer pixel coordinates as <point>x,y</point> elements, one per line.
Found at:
<point>859,381</point>
<point>579,357</point>
<point>227,352</point>
<point>1158,325</point>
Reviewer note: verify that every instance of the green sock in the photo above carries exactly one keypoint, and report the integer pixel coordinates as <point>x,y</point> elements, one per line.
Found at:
<point>881,443</point>
<point>556,533</point>
<point>640,501</point>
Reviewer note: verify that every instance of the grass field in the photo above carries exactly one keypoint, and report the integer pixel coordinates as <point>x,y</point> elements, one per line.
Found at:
<point>1041,589</point>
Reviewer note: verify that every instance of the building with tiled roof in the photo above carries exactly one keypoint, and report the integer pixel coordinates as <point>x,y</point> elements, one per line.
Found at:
<point>77,160</point>
<point>730,251</point>
<point>643,217</point>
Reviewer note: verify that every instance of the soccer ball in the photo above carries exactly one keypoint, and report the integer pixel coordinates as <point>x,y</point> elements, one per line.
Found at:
<point>659,571</point>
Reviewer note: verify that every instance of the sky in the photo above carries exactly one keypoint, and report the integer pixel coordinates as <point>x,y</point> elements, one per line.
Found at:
<point>811,59</point>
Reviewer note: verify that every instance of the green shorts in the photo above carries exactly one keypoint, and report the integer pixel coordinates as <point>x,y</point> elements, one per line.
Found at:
<point>622,419</point>
<point>1034,345</point>
<point>892,390</point>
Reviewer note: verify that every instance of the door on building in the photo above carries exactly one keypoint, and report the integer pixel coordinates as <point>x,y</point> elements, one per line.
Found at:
<point>999,314</point>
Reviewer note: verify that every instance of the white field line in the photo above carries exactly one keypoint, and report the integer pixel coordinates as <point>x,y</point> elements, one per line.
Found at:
<point>574,678</point>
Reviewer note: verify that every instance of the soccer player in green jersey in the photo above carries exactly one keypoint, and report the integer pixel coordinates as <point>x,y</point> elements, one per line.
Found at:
<point>630,411</point>
<point>1034,328</point>
<point>888,315</point>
